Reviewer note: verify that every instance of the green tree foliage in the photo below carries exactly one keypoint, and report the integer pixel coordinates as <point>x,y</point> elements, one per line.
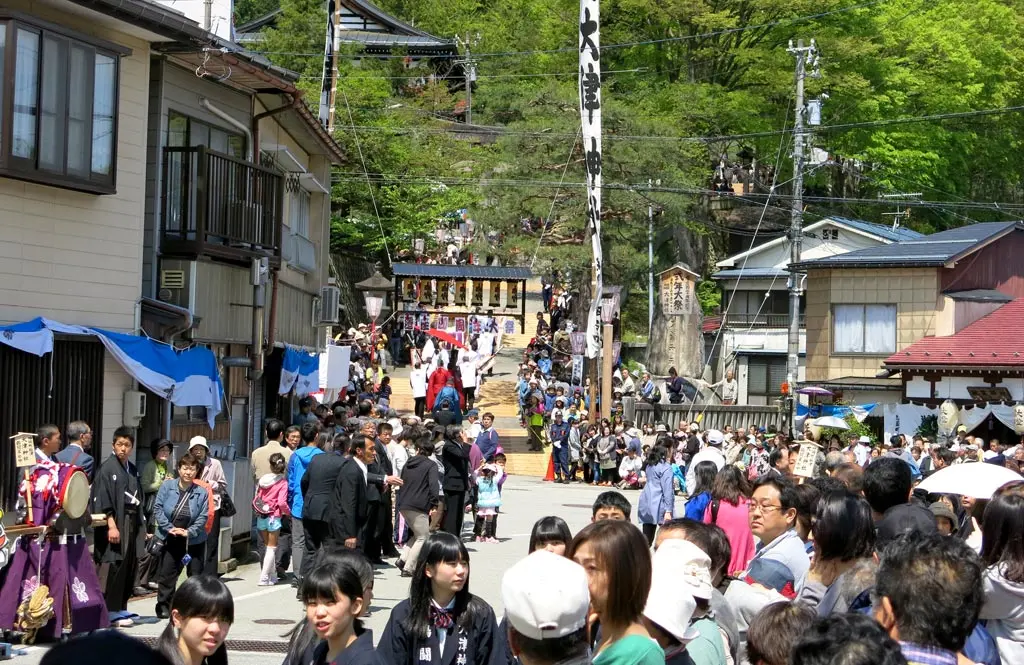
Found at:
<point>696,68</point>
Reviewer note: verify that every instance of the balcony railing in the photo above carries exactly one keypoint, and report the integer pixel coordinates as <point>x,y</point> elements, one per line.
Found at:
<point>220,205</point>
<point>761,320</point>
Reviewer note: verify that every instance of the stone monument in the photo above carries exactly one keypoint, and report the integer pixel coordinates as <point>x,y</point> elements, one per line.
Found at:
<point>676,339</point>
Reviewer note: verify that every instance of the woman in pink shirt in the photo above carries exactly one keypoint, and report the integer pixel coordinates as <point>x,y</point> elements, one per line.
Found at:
<point>730,495</point>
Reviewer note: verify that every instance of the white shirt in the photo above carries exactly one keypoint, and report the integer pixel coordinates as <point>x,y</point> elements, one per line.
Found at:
<point>468,370</point>
<point>474,430</point>
<point>398,456</point>
<point>418,381</point>
<point>361,465</point>
<point>630,465</point>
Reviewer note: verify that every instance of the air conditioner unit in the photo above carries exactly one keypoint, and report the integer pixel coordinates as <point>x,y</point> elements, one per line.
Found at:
<point>134,407</point>
<point>330,303</point>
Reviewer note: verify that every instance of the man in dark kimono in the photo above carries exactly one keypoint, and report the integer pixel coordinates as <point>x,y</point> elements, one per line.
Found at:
<point>117,493</point>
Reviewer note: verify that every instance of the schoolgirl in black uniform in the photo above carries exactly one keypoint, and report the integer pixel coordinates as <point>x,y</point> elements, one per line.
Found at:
<point>335,598</point>
<point>441,623</point>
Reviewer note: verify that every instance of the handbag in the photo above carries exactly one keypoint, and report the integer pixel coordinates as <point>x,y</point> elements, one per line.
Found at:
<point>227,506</point>
<point>155,546</point>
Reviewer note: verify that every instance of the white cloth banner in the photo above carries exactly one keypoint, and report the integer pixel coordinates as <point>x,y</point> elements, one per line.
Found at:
<point>590,118</point>
<point>335,363</point>
<point>904,418</point>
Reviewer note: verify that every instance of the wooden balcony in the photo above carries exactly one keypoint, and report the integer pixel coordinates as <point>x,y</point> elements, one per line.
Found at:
<point>220,206</point>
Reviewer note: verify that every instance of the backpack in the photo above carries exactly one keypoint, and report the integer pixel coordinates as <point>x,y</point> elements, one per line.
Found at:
<point>656,395</point>
<point>261,507</point>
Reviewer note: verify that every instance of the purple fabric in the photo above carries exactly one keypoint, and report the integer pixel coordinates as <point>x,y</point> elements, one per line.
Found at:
<point>476,457</point>
<point>69,573</point>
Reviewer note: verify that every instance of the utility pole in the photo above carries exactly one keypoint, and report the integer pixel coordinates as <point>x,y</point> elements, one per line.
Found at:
<point>650,265</point>
<point>805,56</point>
<point>333,45</point>
<point>469,71</point>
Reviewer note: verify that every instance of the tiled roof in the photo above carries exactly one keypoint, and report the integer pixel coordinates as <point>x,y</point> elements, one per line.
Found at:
<point>993,340</point>
<point>936,249</point>
<point>898,234</point>
<point>447,271</point>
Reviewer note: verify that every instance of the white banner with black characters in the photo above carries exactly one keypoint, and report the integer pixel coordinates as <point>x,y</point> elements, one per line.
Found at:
<point>590,117</point>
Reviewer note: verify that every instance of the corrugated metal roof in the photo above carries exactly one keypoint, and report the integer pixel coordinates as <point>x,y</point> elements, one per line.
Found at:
<point>978,295</point>
<point>385,39</point>
<point>441,270</point>
<point>993,340</point>
<point>898,234</point>
<point>750,273</point>
<point>933,250</point>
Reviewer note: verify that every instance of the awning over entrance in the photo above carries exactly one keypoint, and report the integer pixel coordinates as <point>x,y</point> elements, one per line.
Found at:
<point>185,378</point>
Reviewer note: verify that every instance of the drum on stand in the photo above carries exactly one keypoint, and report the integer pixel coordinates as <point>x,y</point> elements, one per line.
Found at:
<point>73,491</point>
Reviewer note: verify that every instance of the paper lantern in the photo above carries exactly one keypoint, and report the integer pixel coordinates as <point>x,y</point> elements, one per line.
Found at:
<point>949,416</point>
<point>1018,418</point>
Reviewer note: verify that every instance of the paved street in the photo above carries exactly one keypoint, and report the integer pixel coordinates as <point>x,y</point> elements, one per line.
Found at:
<point>266,614</point>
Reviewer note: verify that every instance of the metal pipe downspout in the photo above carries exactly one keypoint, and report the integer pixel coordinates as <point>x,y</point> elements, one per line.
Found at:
<point>238,124</point>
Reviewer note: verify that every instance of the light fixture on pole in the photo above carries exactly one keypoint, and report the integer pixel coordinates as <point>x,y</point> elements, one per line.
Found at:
<point>373,307</point>
<point>608,308</point>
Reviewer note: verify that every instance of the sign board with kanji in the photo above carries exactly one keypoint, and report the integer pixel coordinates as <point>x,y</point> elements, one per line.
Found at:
<point>806,460</point>
<point>24,449</point>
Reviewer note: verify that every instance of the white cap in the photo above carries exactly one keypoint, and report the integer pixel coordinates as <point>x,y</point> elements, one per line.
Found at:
<point>864,439</point>
<point>670,602</point>
<point>545,596</point>
<point>396,428</point>
<point>715,437</point>
<point>694,427</point>
<point>198,441</point>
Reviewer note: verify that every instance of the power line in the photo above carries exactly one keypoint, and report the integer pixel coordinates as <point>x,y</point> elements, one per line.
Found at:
<point>694,139</point>
<point>605,47</point>
<point>635,70</point>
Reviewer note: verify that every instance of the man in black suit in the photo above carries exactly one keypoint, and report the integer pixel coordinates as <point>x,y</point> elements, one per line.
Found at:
<point>79,445</point>
<point>348,501</point>
<point>317,486</point>
<point>379,478</point>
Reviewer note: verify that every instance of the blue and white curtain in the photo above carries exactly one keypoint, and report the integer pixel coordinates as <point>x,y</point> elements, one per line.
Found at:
<point>299,370</point>
<point>187,377</point>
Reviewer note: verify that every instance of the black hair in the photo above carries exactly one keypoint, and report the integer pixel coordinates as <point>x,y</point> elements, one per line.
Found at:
<point>302,637</point>
<point>887,482</point>
<point>440,547</point>
<point>612,499</point>
<point>703,477</point>
<point>384,427</point>
<point>332,577</point>
<point>365,407</point>
<point>657,455</point>
<point>844,529</point>
<point>309,432</point>
<point>846,639</point>
<point>274,429</point>
<point>124,432</point>
<point>826,484</point>
<point>556,650</point>
<point>772,633</point>
<point>425,445</point>
<point>719,549</point>
<point>776,455</point>
<point>696,532</point>
<point>934,585</point>
<point>188,459</point>
<point>340,413</point>
<point>157,444</point>
<point>807,498</point>
<point>788,497</point>
<point>292,428</point>
<point>1001,539</point>
<point>102,648</point>
<point>946,455</point>
<point>202,596</point>
<point>550,529</point>
<point>500,456</point>
<point>355,444</point>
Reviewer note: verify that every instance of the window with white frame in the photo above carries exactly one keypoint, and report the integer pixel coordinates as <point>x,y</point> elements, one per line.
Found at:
<point>865,329</point>
<point>765,376</point>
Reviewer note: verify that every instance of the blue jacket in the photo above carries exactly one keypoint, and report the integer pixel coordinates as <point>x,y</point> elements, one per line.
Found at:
<point>487,442</point>
<point>447,393</point>
<point>487,495</point>
<point>167,498</point>
<point>560,432</point>
<point>657,497</point>
<point>297,465</point>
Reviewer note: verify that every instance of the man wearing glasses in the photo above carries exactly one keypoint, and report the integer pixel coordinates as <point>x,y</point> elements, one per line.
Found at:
<point>773,519</point>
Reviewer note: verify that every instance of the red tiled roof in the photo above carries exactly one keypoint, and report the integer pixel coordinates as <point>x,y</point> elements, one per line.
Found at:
<point>992,340</point>
<point>711,324</point>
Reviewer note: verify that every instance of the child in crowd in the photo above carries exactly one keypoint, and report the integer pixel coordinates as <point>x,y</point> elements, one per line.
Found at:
<point>269,504</point>
<point>552,534</point>
<point>487,503</point>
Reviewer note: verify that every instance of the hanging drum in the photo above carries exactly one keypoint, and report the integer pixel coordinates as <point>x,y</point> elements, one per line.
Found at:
<point>72,491</point>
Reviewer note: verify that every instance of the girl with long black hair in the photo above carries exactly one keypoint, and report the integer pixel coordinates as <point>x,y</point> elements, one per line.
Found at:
<point>202,612</point>
<point>441,623</point>
<point>334,597</point>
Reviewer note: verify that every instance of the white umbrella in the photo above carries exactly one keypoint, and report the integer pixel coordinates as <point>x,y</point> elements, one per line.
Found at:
<point>830,421</point>
<point>975,479</point>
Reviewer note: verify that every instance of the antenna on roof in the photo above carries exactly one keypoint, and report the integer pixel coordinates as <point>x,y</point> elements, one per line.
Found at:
<point>899,214</point>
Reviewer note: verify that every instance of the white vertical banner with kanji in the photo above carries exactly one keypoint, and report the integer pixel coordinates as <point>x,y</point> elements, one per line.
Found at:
<point>590,117</point>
